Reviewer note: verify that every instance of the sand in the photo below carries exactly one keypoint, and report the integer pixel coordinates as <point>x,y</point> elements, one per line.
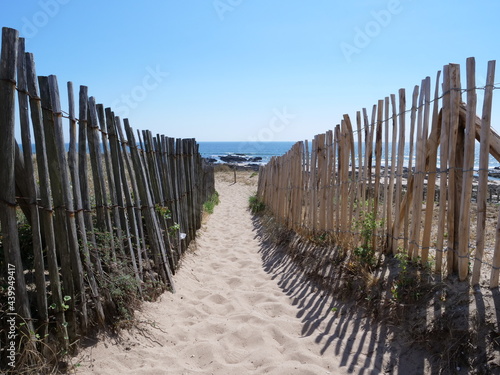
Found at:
<point>238,310</point>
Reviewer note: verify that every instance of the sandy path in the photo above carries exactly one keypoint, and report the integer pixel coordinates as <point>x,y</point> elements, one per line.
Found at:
<point>235,313</point>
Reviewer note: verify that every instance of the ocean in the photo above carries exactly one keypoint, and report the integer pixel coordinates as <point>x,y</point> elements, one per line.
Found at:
<point>265,150</point>
<point>249,150</point>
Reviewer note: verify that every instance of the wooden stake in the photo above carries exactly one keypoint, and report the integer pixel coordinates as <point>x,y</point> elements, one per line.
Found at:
<point>468,166</point>
<point>483,174</point>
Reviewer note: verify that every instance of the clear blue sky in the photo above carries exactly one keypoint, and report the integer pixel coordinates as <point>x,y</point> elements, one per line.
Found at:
<point>238,70</point>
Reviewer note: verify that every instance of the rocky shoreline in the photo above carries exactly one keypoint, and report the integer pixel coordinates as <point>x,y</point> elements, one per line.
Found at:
<point>240,162</point>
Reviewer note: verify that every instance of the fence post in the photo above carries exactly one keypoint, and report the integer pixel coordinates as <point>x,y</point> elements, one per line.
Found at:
<point>60,223</point>
<point>468,166</point>
<point>46,209</point>
<point>30,183</point>
<point>8,219</point>
<point>482,187</point>
<point>399,172</point>
<point>153,228</point>
<point>378,162</point>
<point>431,154</point>
<point>80,220</point>
<point>68,204</point>
<point>454,187</point>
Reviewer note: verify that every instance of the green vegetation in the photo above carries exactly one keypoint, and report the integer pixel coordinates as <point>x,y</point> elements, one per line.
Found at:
<point>410,284</point>
<point>118,279</point>
<point>367,225</point>
<point>255,205</point>
<point>210,204</point>
<point>165,213</point>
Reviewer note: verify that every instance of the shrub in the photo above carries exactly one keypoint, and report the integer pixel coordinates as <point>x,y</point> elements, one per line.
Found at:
<point>210,204</point>
<point>367,226</point>
<point>255,205</point>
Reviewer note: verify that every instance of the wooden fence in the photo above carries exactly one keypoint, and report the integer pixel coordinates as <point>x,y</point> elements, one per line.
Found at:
<point>349,176</point>
<point>109,219</point>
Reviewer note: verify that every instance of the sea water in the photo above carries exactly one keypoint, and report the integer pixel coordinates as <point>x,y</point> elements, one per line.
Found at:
<point>266,150</point>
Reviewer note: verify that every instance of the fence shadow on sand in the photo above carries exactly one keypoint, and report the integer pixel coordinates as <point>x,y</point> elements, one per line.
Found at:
<point>346,329</point>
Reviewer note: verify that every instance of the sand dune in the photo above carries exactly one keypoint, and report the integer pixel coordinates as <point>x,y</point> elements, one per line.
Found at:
<point>239,310</point>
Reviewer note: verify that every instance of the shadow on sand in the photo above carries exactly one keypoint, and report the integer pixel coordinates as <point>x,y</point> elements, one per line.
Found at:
<point>375,345</point>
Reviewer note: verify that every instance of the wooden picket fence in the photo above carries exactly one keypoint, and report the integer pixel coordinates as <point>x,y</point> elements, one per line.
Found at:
<point>118,207</point>
<point>420,198</point>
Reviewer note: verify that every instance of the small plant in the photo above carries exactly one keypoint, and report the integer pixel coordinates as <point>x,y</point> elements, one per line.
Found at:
<point>210,204</point>
<point>118,279</point>
<point>64,306</point>
<point>255,205</point>
<point>173,229</point>
<point>254,174</point>
<point>409,285</point>
<point>163,211</point>
<point>367,224</point>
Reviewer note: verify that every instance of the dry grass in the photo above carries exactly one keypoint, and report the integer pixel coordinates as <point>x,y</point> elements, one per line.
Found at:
<point>223,173</point>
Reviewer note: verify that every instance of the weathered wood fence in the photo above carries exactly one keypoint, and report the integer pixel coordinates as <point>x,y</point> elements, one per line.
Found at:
<point>348,176</point>
<point>109,219</point>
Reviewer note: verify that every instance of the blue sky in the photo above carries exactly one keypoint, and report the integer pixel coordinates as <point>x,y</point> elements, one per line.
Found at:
<point>239,70</point>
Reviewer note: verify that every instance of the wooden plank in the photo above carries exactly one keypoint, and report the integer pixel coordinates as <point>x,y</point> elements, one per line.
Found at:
<point>344,182</point>
<point>128,224</point>
<point>369,151</point>
<point>409,179</point>
<point>422,134</point>
<point>378,162</point>
<point>418,179</point>
<point>60,222</point>
<point>336,179</point>
<point>133,202</point>
<point>432,147</point>
<point>8,219</point>
<point>113,211</point>
<point>68,205</point>
<point>46,209</point>
<point>78,209</point>
<point>301,188</point>
<point>148,210</point>
<point>399,172</point>
<point>352,179</point>
<point>183,208</point>
<point>313,186</point>
<point>392,169</point>
<point>41,290</point>
<point>84,177</point>
<point>96,167</point>
<point>453,190</point>
<point>322,166</point>
<point>330,181</point>
<point>168,193</point>
<point>307,172</point>
<point>468,167</point>
<point>483,174</point>
<point>360,178</point>
<point>384,220</point>
<point>443,166</point>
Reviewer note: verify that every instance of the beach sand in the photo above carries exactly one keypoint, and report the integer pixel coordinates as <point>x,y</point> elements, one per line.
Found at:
<point>240,310</point>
